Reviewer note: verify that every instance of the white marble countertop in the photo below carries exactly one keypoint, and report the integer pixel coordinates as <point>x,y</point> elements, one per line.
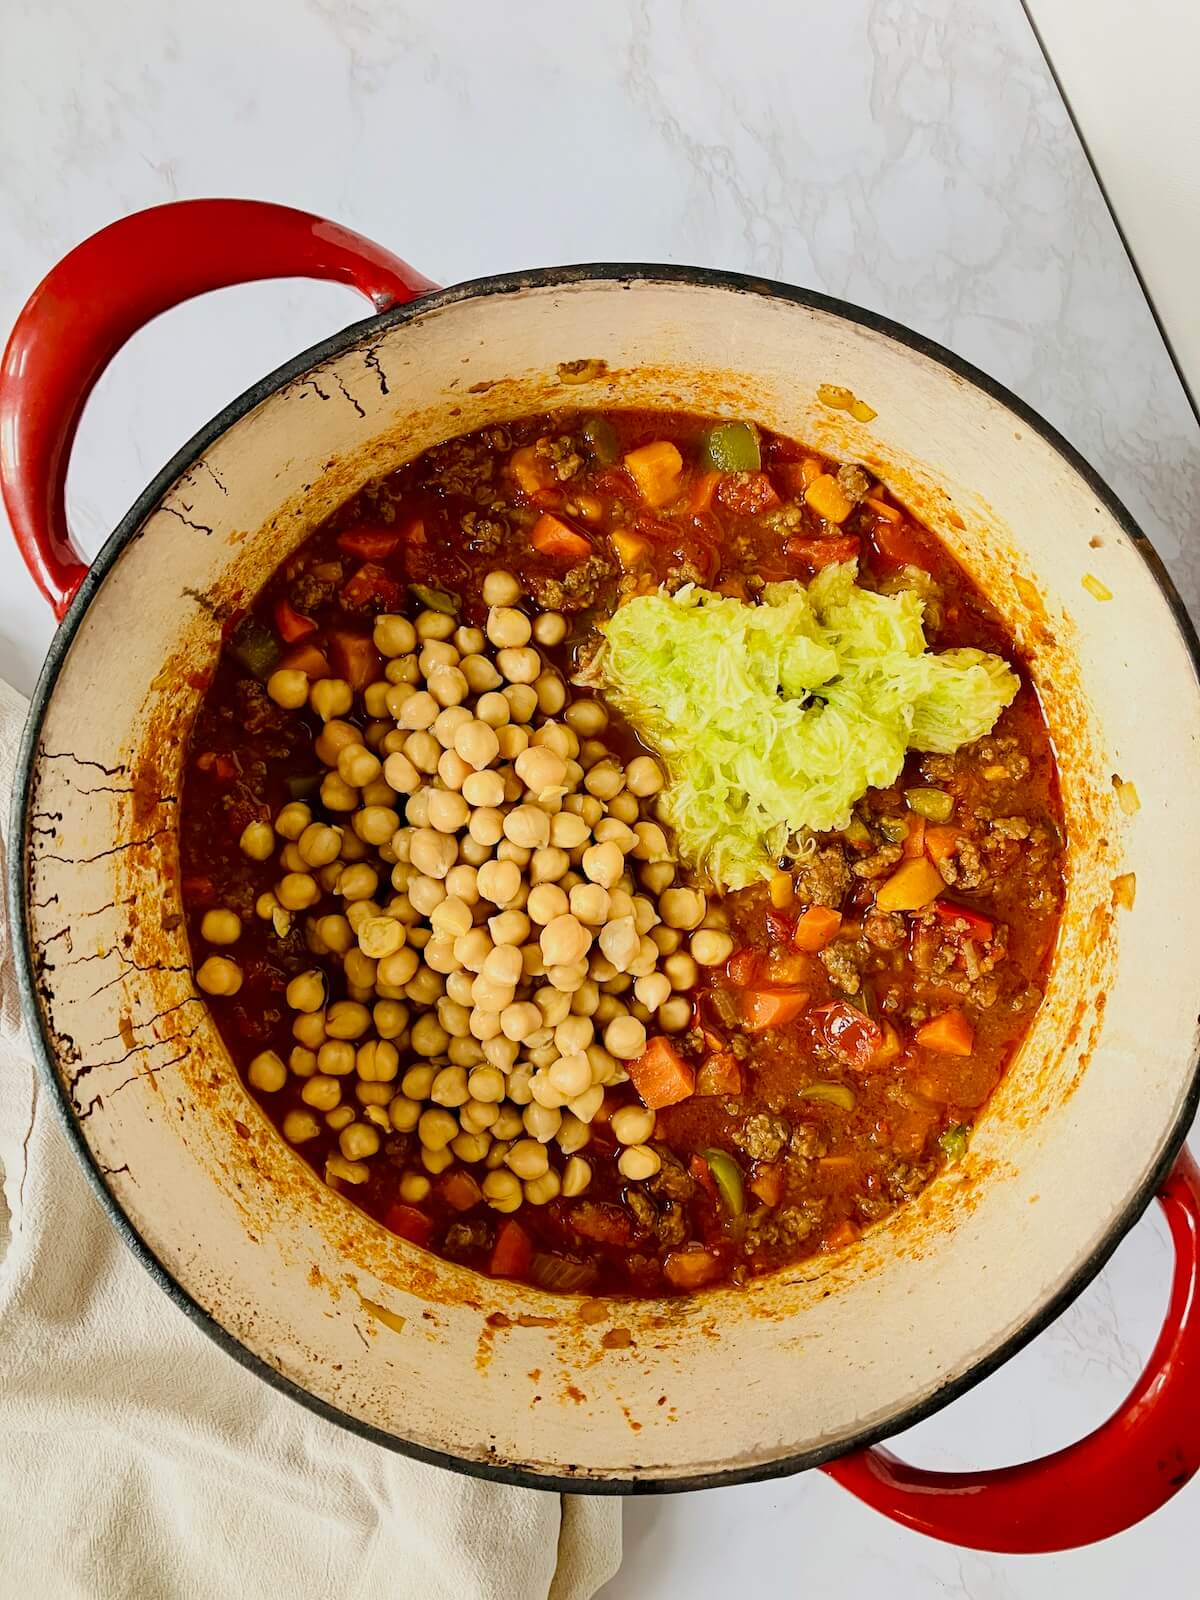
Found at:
<point>911,155</point>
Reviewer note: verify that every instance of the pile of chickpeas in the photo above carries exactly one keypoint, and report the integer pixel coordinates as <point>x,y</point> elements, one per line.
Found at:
<point>503,904</point>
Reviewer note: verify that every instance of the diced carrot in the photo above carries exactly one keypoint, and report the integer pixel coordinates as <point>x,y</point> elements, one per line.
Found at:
<point>661,1076</point>
<point>630,549</point>
<point>354,658</point>
<point>588,506</point>
<point>371,584</point>
<point>549,499</point>
<point>747,494</point>
<point>767,1184</point>
<point>963,923</point>
<point>290,624</point>
<point>414,531</point>
<point>657,470</point>
<point>459,1189</point>
<point>720,1073</point>
<point>950,1034</point>
<point>601,1221</point>
<point>811,470</point>
<point>308,659</point>
<point>843,1234</point>
<point>700,496</point>
<point>882,509</point>
<point>743,967</point>
<point>557,539</point>
<point>816,553</point>
<point>816,928</point>
<point>409,1223</point>
<point>512,1251</point>
<point>782,890</point>
<point>941,842</point>
<point>691,1269</point>
<point>889,1049</point>
<point>913,885</point>
<point>914,839</point>
<point>771,1008</point>
<point>529,471</point>
<point>369,544</point>
<point>827,498</point>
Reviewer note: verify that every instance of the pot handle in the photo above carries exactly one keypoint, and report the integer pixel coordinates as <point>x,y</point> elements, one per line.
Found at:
<point>1132,1464</point>
<point>107,288</point>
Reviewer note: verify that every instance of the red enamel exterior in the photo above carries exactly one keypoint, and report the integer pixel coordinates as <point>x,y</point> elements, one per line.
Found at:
<point>1145,1453</point>
<point>111,285</point>
<point>81,314</point>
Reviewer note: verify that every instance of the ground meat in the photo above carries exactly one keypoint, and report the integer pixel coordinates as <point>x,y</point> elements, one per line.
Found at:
<point>672,1228</point>
<point>965,868</point>
<point>1002,759</point>
<point>575,591</point>
<point>1011,827</point>
<point>807,1143</point>
<point>459,466</point>
<point>465,1239</point>
<point>671,1181</point>
<point>884,929</point>
<point>853,482</point>
<point>915,580</point>
<point>684,572</point>
<point>906,1178</point>
<point>767,1229</point>
<point>840,963</point>
<point>258,712</point>
<point>564,459</point>
<point>878,862</point>
<point>641,1208</point>
<point>483,533</point>
<point>307,593</point>
<point>822,878</point>
<point>762,1136</point>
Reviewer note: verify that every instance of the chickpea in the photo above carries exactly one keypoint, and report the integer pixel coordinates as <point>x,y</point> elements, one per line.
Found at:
<point>288,688</point>
<point>436,1128</point>
<point>394,636</point>
<point>219,975</point>
<point>637,1162</point>
<point>434,625</point>
<point>436,1161</point>
<point>528,1159</point>
<point>423,750</point>
<point>337,795</point>
<point>300,1126</point>
<point>257,841</point>
<point>632,1125</point>
<point>586,998</point>
<point>499,881</point>
<point>358,882</point>
<point>472,949</point>
<point>483,789</point>
<point>414,1187</point>
<point>571,1075</point>
<point>528,827</point>
<point>603,864</point>
<point>418,712</point>
<point>682,908</point>
<point>507,627</point>
<point>347,1019</point>
<point>357,766</point>
<point>375,824</point>
<point>307,991</point>
<point>379,937</point>
<point>625,1038</point>
<point>521,667</point>
<point>377,1061</point>
<point>448,811</point>
<point>564,941</point>
<point>437,653</point>
<point>221,927</point>
<point>336,1058</point>
<point>519,1020</point>
<point>586,1105</point>
<point>433,853</point>
<point>403,669</point>
<point>302,1062</point>
<point>449,1087</point>
<point>710,948</point>
<point>503,966</point>
<point>587,718</point>
<point>331,697</point>
<point>675,1015</point>
<point>620,944</point>
<point>549,628</point>
<point>681,969</point>
<point>643,776</point>
<point>358,1140</point>
<point>401,774</point>
<point>539,769</point>
<point>267,1072</point>
<point>546,901</point>
<point>604,780</point>
<point>653,990</point>
<point>568,831</point>
<point>428,1037</point>
<point>321,1092</point>
<point>502,1191</point>
<point>500,588</point>
<point>577,1174</point>
<point>589,903</point>
<point>448,686</point>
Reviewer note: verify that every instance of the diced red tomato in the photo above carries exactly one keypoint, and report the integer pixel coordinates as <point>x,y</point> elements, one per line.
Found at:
<point>691,1269</point>
<point>815,553</point>
<point>409,1223</point>
<point>700,496</point>
<point>780,926</point>
<point>720,1073</point>
<point>963,923</point>
<point>895,545</point>
<point>702,1172</point>
<point>308,659</point>
<point>771,1008</point>
<point>459,1189</point>
<point>747,494</point>
<point>548,499</point>
<point>601,1221</point>
<point>371,585</point>
<point>291,624</point>
<point>368,543</point>
<point>556,538</point>
<point>816,929</point>
<point>355,658</point>
<point>199,891</point>
<point>226,769</point>
<point>512,1251</point>
<point>742,967</point>
<point>852,1036</point>
<point>951,1034</point>
<point>661,1076</point>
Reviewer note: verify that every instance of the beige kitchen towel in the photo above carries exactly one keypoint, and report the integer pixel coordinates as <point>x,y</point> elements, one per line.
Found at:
<point>139,1462</point>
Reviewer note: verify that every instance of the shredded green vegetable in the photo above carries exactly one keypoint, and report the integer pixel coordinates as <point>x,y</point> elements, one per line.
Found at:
<point>773,719</point>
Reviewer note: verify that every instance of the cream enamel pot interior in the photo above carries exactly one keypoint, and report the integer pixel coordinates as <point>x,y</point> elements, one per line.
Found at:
<point>422,1355</point>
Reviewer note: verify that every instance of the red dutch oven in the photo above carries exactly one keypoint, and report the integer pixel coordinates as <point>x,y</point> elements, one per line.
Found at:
<point>811,1366</point>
